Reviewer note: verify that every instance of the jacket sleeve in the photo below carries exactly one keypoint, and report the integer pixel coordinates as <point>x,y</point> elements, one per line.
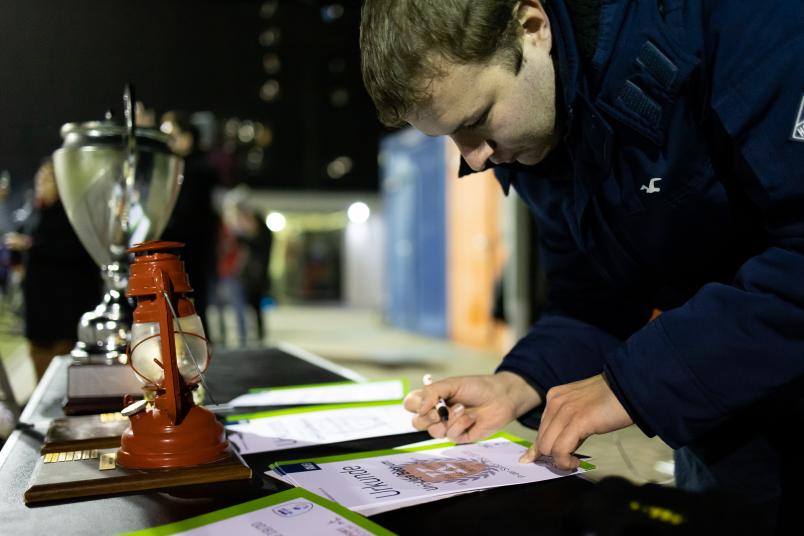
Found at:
<point>733,345</point>
<point>585,319</point>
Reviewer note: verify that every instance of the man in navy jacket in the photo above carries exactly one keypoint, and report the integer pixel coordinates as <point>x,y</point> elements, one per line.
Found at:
<point>660,147</point>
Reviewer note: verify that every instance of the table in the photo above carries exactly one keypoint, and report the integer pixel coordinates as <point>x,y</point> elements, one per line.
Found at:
<point>539,506</point>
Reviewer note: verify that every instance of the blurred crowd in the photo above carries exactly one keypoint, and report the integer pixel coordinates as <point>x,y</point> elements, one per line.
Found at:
<point>48,280</point>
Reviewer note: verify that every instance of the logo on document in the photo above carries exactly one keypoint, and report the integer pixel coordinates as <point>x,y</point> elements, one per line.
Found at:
<point>651,187</point>
<point>798,127</point>
<point>298,467</point>
<point>454,470</point>
<point>292,509</point>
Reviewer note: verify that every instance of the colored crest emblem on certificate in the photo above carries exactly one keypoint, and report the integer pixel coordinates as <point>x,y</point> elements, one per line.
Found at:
<point>454,470</point>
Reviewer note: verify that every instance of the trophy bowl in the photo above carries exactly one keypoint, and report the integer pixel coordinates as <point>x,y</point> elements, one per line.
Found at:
<point>118,184</point>
<point>107,218</point>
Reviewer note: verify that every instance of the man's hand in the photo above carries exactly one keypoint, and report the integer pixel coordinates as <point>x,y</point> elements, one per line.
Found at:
<point>478,405</point>
<point>574,412</point>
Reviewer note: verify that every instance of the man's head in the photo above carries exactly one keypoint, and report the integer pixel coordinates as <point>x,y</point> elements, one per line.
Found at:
<point>477,70</point>
<point>45,191</point>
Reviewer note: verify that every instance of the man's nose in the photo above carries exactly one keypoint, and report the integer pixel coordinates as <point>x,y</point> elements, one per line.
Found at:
<point>476,154</point>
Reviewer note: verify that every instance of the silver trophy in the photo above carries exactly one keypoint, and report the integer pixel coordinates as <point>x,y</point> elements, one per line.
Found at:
<point>118,184</point>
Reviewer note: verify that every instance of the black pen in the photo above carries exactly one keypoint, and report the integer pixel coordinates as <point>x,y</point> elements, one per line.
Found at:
<point>441,406</point>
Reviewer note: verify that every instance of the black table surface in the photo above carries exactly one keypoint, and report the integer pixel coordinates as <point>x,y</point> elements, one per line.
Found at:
<point>538,508</point>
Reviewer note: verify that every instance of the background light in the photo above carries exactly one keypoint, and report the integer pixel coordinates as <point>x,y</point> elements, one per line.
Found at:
<point>268,9</point>
<point>269,90</point>
<point>275,221</point>
<point>339,167</point>
<point>339,97</point>
<point>331,13</point>
<point>271,63</point>
<point>358,212</point>
<point>270,37</point>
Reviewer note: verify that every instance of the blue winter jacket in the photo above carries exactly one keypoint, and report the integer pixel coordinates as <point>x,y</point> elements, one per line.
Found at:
<point>679,186</point>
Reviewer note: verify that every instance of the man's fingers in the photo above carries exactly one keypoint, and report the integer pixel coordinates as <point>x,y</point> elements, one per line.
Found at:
<point>550,409</point>
<point>470,435</point>
<point>444,389</point>
<point>530,455</point>
<point>549,432</point>
<point>413,401</point>
<point>437,430</point>
<point>558,441</point>
<point>459,423</point>
<point>423,422</point>
<point>564,446</point>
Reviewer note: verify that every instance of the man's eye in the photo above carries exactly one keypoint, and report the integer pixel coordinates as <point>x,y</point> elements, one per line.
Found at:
<point>479,121</point>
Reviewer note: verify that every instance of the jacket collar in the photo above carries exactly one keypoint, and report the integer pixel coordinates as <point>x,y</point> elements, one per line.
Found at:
<point>566,60</point>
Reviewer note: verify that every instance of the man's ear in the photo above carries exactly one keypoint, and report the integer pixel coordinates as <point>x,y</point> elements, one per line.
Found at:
<point>533,19</point>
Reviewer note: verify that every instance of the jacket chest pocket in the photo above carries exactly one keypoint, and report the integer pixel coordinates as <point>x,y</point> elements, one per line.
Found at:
<point>657,178</point>
<point>650,94</point>
<point>630,174</point>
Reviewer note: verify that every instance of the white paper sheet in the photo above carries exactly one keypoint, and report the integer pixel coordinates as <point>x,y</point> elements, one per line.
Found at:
<point>290,512</point>
<point>377,484</point>
<point>323,394</point>
<point>315,520</point>
<point>319,427</point>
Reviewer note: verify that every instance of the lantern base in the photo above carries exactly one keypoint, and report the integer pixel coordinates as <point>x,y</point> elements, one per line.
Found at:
<point>154,442</point>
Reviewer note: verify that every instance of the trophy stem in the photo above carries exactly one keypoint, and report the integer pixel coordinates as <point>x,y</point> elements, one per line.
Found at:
<point>103,333</point>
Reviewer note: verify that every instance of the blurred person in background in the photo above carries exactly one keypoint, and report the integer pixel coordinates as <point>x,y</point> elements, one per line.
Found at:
<point>194,220</point>
<point>6,226</point>
<point>256,240</point>
<point>61,281</point>
<point>231,255</point>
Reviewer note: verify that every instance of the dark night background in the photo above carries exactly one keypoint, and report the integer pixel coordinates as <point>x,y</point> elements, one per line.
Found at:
<point>68,61</point>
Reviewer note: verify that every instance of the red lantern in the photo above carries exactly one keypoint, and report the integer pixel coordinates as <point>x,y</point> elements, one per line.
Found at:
<point>169,352</point>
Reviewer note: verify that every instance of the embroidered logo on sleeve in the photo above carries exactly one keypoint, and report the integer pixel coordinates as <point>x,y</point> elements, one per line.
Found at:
<point>651,188</point>
<point>798,128</point>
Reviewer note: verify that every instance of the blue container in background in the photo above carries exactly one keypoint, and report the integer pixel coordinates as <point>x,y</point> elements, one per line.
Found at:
<point>413,175</point>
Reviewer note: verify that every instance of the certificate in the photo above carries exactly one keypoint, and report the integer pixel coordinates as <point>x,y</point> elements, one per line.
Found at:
<point>377,481</point>
<point>295,511</point>
<point>316,425</point>
<point>323,393</point>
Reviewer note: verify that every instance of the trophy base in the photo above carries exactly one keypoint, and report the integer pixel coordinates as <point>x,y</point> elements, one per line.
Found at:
<point>94,387</point>
<point>112,357</point>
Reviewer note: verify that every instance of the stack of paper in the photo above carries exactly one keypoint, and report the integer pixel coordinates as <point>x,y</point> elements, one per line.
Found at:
<point>323,393</point>
<point>316,425</point>
<point>294,511</point>
<point>374,482</point>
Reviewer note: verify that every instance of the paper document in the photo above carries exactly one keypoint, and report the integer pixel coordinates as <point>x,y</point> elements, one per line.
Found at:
<point>295,511</point>
<point>374,482</point>
<point>316,425</point>
<point>325,393</point>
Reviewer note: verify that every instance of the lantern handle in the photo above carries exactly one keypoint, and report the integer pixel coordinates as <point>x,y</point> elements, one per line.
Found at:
<point>174,384</point>
<point>187,346</point>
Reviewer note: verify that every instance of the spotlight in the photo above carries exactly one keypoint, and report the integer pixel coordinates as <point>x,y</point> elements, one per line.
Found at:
<point>275,221</point>
<point>358,212</point>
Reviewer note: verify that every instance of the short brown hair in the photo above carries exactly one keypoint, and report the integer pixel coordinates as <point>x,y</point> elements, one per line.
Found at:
<point>401,41</point>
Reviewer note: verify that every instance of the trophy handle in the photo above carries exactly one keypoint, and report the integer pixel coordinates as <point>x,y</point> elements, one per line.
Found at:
<point>129,118</point>
<point>122,197</point>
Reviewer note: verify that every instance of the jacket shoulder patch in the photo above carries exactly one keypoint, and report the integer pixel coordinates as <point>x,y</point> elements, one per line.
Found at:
<point>798,126</point>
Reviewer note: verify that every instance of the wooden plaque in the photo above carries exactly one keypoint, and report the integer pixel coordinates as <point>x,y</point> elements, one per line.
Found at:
<point>92,473</point>
<point>85,432</point>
